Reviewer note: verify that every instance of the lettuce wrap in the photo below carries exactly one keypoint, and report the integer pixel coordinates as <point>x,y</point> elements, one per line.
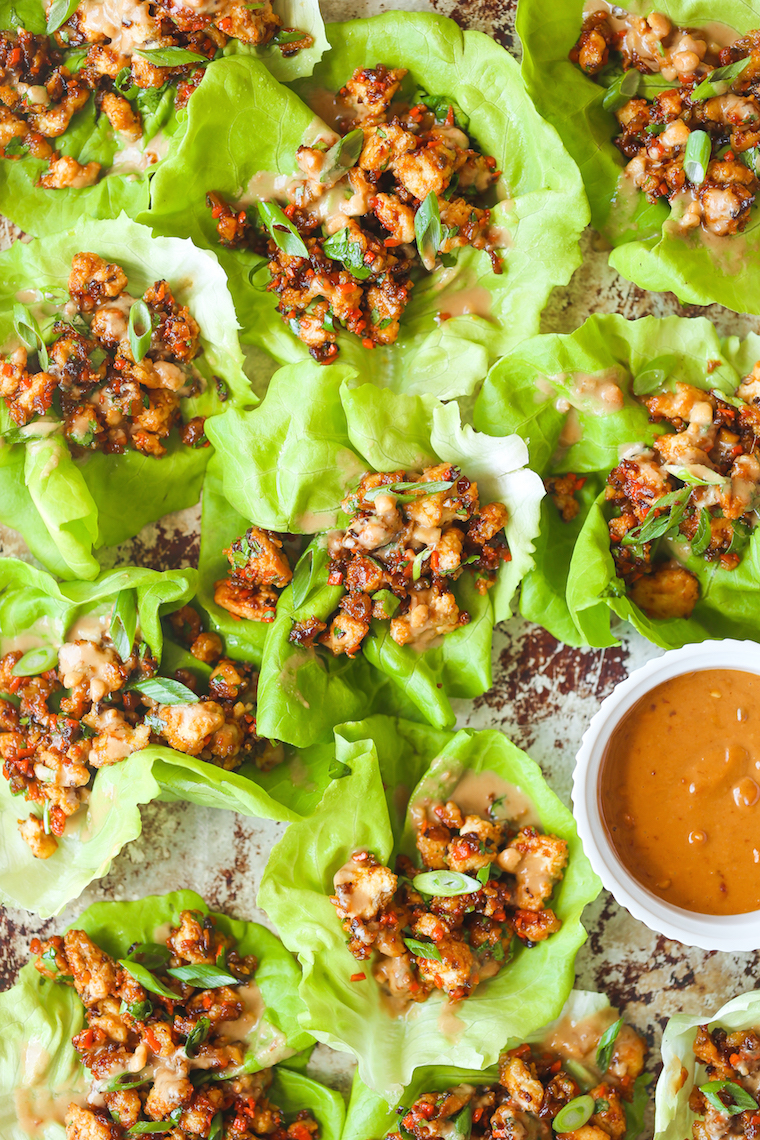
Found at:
<point>127,166</point>
<point>42,1073</point>
<point>682,1072</point>
<point>371,1117</point>
<point>67,507</point>
<point>38,611</point>
<point>647,248</point>
<point>286,466</point>
<point>573,591</point>
<point>386,764</point>
<point>542,212</point>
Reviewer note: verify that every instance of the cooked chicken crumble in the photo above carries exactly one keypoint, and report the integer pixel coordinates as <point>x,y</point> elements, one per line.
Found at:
<point>470,935</point>
<point>714,445</point>
<point>59,727</point>
<point>354,212</point>
<point>109,401</point>
<point>728,1057</point>
<point>657,123</point>
<point>259,570</point>
<point>535,1083</point>
<point>397,560</point>
<point>98,53</point>
<point>154,1058</point>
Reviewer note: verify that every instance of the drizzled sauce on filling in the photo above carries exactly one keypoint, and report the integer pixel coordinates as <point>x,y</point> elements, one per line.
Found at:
<point>679,791</point>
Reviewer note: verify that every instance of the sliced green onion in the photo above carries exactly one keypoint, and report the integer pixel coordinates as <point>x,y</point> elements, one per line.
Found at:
<point>36,661</point>
<point>445,884</point>
<point>575,1114</point>
<point>309,572</point>
<point>217,1127</point>
<point>621,90</point>
<point>197,1036</point>
<point>341,157</point>
<point>423,556</point>
<point>423,949</point>
<point>147,980</point>
<point>139,342</point>
<point>388,601</point>
<point>124,1081</point>
<point>740,1098</point>
<point>284,234</point>
<point>463,1122</point>
<point>150,954</point>
<point>28,332</point>
<point>653,375</point>
<point>697,157</point>
<point>137,1010</point>
<point>719,81</point>
<point>606,1045</point>
<point>397,489</point>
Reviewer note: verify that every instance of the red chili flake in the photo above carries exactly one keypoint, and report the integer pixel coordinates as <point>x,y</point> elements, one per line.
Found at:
<point>450,117</point>
<point>358,977</point>
<point>334,578</point>
<point>368,343</point>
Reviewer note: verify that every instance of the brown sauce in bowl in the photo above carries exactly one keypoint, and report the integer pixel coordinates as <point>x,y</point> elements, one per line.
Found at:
<point>679,791</point>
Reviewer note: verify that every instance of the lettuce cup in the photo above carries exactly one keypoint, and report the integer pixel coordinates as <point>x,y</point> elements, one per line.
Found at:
<point>708,1084</point>
<point>116,346</point>
<point>586,1065</point>
<point>420,531</point>
<point>158,1016</point>
<point>657,108</point>
<point>113,694</point>
<point>91,108</point>
<point>486,953</point>
<point>479,282</point>
<point>642,431</point>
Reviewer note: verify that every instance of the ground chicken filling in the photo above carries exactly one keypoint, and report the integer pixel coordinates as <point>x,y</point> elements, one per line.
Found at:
<point>93,708</point>
<point>259,570</point>
<point>727,1102</point>
<point>697,485</point>
<point>392,196</point>
<point>117,369</point>
<point>171,1057</point>
<point>536,1084</point>
<point>693,134</point>
<point>450,931</point>
<point>115,54</point>
<point>410,537</point>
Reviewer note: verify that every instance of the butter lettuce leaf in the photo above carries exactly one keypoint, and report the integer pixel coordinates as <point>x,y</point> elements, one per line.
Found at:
<point>31,602</point>
<point>542,214</point>
<point>41,1072</point>
<point>545,391</point>
<point>371,1117</point>
<point>287,464</point>
<point>391,763</point>
<point>68,508</point>
<point>681,1071</point>
<point>647,247</point>
<point>127,168</point>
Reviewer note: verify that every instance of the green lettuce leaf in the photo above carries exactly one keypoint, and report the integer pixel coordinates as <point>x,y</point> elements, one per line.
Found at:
<point>91,138</point>
<point>680,1069</point>
<point>287,464</point>
<point>41,1072</point>
<point>32,603</point>
<point>65,508</point>
<point>648,249</point>
<point>543,217</point>
<point>573,590</point>
<point>368,808</point>
<point>371,1117</point>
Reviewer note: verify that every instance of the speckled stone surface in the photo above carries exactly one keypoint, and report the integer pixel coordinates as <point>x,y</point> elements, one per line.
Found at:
<point>543,698</point>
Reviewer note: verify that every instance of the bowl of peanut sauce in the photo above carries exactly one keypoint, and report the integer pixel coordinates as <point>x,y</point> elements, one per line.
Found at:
<point>666,793</point>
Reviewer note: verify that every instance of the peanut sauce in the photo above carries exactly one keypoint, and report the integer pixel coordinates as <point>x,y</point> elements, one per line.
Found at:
<point>679,791</point>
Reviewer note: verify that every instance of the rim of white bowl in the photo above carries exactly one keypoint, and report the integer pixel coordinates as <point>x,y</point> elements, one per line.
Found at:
<point>708,932</point>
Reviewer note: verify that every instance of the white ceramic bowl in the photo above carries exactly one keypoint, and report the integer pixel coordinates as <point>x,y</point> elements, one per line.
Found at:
<point>709,932</point>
